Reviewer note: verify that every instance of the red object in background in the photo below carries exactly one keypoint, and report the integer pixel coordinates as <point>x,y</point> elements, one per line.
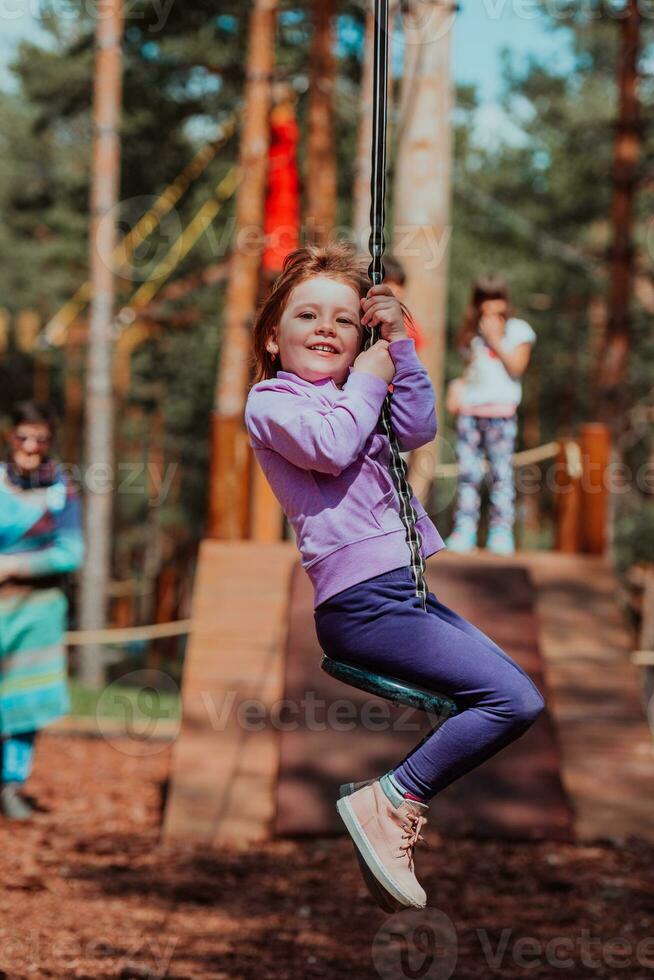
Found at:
<point>282,215</point>
<point>415,331</point>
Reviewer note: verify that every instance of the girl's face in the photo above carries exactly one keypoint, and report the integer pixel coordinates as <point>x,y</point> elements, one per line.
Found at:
<point>494,309</point>
<point>318,335</point>
<point>29,442</point>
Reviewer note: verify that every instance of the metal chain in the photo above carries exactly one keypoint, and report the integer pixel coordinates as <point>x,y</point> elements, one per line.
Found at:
<point>376,246</point>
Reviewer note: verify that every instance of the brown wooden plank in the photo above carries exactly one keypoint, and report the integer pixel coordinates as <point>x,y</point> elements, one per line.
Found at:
<point>223,769</point>
<point>607,747</point>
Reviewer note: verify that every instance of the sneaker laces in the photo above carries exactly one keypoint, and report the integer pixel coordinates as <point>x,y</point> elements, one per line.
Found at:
<point>412,835</point>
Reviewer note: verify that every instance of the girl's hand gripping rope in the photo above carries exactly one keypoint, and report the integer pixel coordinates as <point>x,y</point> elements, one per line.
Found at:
<point>382,309</point>
<point>376,360</point>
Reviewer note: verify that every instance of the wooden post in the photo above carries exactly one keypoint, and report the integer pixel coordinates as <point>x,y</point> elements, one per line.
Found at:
<point>568,497</point>
<point>266,514</point>
<point>595,454</point>
<point>166,600</point>
<point>644,656</point>
<point>647,620</point>
<point>230,458</point>
<point>75,344</point>
<point>321,150</point>
<point>129,339</point>
<point>422,192</point>
<point>28,324</point>
<point>5,320</point>
<point>99,428</point>
<point>615,356</point>
<point>529,504</point>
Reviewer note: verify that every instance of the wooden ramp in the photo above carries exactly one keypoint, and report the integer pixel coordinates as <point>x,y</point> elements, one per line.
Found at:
<point>232,755</point>
<point>517,794</point>
<point>224,767</point>
<point>607,746</point>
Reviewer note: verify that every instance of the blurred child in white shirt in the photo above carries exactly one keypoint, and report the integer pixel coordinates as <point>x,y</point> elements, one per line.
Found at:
<point>496,348</point>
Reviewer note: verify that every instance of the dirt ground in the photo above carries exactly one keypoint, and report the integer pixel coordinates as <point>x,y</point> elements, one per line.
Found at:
<point>89,892</point>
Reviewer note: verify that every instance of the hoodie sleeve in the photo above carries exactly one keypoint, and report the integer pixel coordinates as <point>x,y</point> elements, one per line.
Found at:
<point>65,553</point>
<point>312,435</point>
<point>413,403</point>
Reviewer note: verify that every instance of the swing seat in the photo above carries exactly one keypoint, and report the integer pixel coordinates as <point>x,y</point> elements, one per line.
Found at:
<point>391,688</point>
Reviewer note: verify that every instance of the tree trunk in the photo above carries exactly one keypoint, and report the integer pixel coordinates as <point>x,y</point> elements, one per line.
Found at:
<point>615,356</point>
<point>422,193</point>
<point>99,424</point>
<point>321,154</point>
<point>230,464</point>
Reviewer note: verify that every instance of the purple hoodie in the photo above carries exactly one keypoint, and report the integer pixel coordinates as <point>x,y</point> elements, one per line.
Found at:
<point>326,459</point>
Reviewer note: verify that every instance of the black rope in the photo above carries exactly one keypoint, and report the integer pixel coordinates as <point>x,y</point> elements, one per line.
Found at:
<point>377,241</point>
<point>376,245</point>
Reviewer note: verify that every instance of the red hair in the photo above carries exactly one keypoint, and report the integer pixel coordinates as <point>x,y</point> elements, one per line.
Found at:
<point>338,260</point>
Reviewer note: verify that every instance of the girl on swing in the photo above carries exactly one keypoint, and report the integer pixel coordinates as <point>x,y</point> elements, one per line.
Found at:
<point>313,421</point>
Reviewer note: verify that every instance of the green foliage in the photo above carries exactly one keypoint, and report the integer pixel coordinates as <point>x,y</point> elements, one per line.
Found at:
<point>534,207</point>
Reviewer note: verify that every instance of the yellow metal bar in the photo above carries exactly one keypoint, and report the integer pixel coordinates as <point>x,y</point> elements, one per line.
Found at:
<point>183,245</point>
<point>55,329</point>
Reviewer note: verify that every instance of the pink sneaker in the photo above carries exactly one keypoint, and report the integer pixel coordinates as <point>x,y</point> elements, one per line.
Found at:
<point>379,894</point>
<point>385,828</point>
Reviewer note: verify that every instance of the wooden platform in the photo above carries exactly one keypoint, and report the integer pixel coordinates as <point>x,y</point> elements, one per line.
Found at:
<point>225,772</point>
<point>517,794</point>
<point>607,746</point>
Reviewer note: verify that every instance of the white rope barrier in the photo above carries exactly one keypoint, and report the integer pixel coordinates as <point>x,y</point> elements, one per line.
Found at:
<point>127,634</point>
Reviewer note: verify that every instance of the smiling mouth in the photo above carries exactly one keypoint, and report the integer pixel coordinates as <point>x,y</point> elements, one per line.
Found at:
<point>324,348</point>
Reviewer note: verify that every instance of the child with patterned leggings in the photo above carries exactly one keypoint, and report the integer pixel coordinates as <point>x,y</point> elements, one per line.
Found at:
<point>497,348</point>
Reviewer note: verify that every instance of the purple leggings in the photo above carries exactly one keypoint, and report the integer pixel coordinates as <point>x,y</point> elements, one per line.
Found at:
<point>381,625</point>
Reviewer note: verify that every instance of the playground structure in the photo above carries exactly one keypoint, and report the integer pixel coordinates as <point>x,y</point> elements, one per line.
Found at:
<point>264,782</point>
<point>270,782</point>
<point>206,842</point>
<point>245,770</point>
